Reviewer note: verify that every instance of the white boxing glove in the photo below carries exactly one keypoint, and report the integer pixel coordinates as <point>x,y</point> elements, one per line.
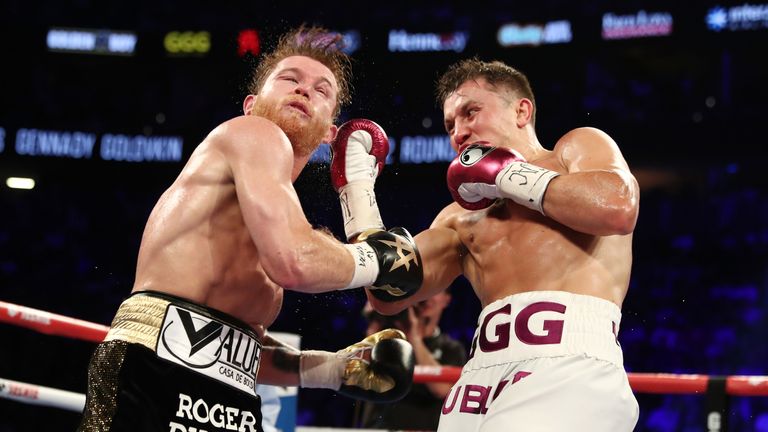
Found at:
<point>358,154</point>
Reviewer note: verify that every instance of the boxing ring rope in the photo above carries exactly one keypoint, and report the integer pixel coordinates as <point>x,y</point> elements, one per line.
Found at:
<point>39,395</point>
<point>716,388</point>
<point>51,324</point>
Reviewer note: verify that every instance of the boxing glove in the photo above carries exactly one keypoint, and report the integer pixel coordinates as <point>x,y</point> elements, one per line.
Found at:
<point>378,369</point>
<point>358,154</point>
<point>480,174</point>
<point>388,262</point>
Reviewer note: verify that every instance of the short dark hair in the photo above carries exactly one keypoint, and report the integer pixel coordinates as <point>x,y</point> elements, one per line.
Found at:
<point>496,73</point>
<point>316,43</point>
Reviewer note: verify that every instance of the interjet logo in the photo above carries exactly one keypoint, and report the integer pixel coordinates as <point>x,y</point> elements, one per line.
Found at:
<point>717,19</point>
<point>737,18</point>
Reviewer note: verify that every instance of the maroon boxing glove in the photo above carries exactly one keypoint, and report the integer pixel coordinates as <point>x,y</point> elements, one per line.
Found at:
<point>480,174</point>
<point>358,155</point>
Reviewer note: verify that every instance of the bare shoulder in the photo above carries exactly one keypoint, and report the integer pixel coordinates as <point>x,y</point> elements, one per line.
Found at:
<point>244,135</point>
<point>448,216</point>
<point>585,137</point>
<point>588,147</point>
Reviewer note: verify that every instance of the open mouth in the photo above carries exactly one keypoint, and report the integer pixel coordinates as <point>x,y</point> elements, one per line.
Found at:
<point>467,144</point>
<point>299,107</point>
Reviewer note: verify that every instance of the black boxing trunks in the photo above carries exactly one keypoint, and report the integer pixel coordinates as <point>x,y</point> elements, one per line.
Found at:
<point>175,366</point>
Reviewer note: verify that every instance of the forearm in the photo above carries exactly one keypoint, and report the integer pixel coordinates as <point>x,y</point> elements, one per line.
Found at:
<point>380,367</point>
<point>593,202</point>
<point>279,366</point>
<point>323,264</point>
<point>293,254</point>
<point>441,255</point>
<point>300,258</point>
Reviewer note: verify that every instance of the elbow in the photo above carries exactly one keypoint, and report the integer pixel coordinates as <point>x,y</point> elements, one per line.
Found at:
<point>626,209</point>
<point>621,209</point>
<point>622,219</point>
<point>287,271</point>
<point>383,307</point>
<point>289,283</point>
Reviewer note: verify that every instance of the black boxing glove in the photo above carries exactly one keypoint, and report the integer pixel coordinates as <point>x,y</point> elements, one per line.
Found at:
<point>387,262</point>
<point>377,369</point>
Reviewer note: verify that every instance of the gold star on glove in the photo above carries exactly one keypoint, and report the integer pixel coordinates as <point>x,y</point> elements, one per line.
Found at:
<point>404,260</point>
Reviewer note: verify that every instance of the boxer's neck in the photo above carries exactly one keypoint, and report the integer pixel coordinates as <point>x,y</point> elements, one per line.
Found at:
<point>299,162</point>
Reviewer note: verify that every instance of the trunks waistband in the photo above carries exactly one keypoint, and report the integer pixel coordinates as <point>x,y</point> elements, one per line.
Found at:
<point>191,335</point>
<point>546,324</point>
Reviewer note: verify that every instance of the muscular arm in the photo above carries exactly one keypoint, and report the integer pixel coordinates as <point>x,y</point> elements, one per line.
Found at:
<point>279,363</point>
<point>598,195</point>
<point>441,255</point>
<point>293,255</point>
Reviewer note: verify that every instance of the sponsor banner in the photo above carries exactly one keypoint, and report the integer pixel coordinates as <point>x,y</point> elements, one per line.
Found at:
<point>738,18</point>
<point>638,25</point>
<point>248,42</point>
<point>107,42</point>
<point>210,347</point>
<point>187,43</point>
<point>553,32</point>
<point>402,41</point>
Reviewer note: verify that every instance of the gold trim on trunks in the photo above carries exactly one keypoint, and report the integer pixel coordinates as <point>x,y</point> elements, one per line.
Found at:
<point>138,320</point>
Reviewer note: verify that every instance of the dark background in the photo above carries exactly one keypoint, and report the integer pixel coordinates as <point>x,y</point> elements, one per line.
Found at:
<point>688,111</point>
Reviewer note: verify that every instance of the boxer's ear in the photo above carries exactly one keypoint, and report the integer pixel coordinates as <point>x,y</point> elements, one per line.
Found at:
<point>331,133</point>
<point>524,111</point>
<point>248,103</point>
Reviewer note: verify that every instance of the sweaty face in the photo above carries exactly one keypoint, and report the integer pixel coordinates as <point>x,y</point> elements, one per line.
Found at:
<point>300,97</point>
<point>480,113</point>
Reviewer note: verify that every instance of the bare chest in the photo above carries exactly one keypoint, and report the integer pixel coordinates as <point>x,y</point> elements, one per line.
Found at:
<point>503,228</point>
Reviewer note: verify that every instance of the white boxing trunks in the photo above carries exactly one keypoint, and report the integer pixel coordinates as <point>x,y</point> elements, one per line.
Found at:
<point>543,361</point>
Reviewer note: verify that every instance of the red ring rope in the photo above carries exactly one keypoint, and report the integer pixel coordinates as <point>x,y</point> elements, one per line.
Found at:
<point>53,324</point>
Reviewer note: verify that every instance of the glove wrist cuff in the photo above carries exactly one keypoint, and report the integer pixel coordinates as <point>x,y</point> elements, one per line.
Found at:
<point>366,265</point>
<point>359,208</point>
<point>320,369</point>
<point>525,184</point>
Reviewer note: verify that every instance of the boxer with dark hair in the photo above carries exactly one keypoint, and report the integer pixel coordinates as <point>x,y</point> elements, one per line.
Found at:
<point>221,245</point>
<point>545,239</point>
